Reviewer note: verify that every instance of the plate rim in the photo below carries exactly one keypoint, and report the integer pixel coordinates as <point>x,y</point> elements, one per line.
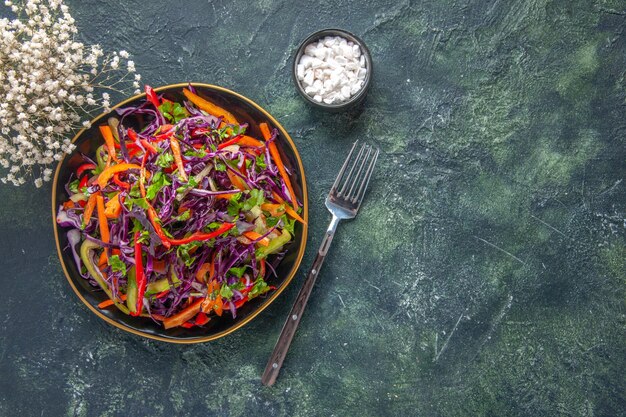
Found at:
<point>268,301</point>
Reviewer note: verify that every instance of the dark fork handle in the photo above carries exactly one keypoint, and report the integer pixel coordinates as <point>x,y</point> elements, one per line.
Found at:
<point>291,324</point>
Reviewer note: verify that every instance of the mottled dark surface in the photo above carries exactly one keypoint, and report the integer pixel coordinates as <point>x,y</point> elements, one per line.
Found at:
<point>484,276</point>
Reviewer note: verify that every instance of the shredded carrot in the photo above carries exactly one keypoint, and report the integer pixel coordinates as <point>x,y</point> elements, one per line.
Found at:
<point>265,130</point>
<point>210,108</point>
<point>181,317</point>
<point>256,236</point>
<point>142,176</point>
<point>250,141</point>
<point>107,134</point>
<point>236,181</point>
<point>202,271</point>
<point>175,146</point>
<point>291,212</point>
<point>226,196</point>
<point>102,261</point>
<point>276,210</point>
<point>68,204</point>
<point>109,302</point>
<point>89,208</point>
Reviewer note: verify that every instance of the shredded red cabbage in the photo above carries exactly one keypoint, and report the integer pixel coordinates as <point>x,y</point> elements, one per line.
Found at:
<point>205,214</point>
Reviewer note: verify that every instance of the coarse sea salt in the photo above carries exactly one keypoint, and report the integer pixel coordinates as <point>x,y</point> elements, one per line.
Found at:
<point>332,69</point>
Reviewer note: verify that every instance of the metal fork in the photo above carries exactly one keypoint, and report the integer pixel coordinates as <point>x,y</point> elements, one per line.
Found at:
<point>343,202</point>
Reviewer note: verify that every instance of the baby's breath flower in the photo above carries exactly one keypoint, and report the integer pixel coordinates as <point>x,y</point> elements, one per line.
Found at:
<point>47,78</point>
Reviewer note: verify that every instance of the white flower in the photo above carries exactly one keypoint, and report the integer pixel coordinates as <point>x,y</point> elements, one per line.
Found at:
<point>48,80</point>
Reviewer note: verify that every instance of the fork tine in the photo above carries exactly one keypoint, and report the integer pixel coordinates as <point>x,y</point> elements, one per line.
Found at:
<point>348,178</point>
<point>357,176</point>
<point>358,198</point>
<point>343,169</point>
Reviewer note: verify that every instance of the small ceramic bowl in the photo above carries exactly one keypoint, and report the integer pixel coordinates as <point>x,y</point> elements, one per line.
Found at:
<point>353,100</point>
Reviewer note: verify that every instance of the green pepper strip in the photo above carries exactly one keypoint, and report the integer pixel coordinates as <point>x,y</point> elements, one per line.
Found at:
<point>131,292</point>
<point>86,255</point>
<point>161,285</point>
<point>274,246</point>
<point>101,162</point>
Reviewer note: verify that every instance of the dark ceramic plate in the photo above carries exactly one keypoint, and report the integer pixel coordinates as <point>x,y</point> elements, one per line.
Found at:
<point>87,140</point>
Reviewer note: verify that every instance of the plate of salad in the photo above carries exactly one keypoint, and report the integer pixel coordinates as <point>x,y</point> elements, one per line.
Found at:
<point>182,213</point>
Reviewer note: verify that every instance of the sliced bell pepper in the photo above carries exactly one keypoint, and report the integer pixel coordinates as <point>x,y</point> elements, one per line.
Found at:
<point>149,148</point>
<point>120,183</point>
<point>113,207</point>
<point>161,294</point>
<point>218,305</point>
<point>83,182</point>
<point>262,268</point>
<point>84,167</point>
<point>184,315</point>
<point>241,302</point>
<point>265,130</point>
<point>107,174</point>
<point>156,223</point>
<point>165,128</point>
<point>152,97</point>
<point>210,108</point>
<point>139,274</point>
<point>202,319</point>
<point>229,142</point>
<point>200,236</point>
